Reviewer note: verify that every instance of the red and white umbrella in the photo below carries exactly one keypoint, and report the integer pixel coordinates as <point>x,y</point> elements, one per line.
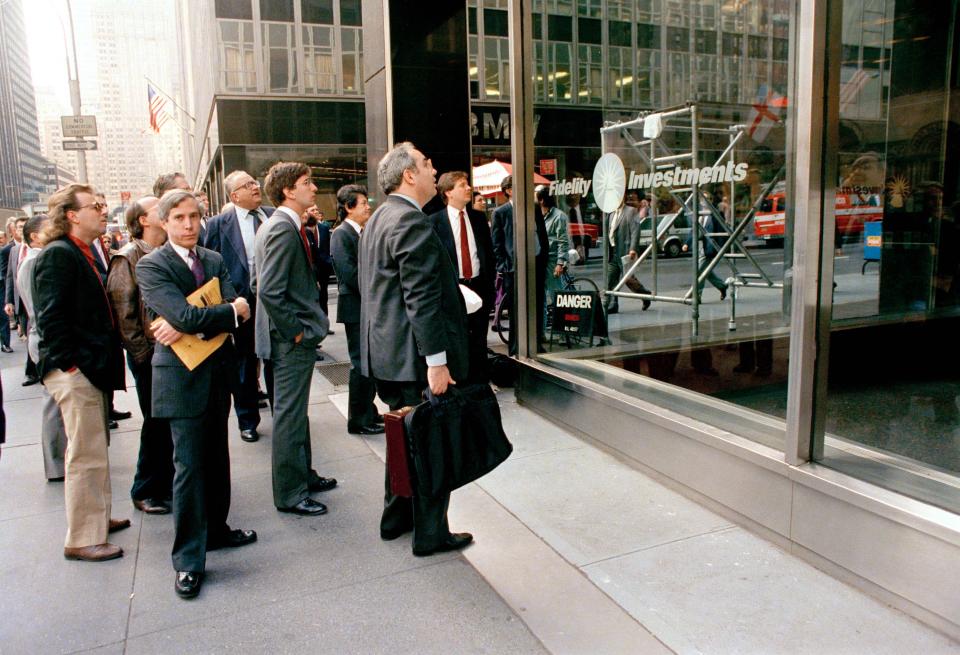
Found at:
<point>487,178</point>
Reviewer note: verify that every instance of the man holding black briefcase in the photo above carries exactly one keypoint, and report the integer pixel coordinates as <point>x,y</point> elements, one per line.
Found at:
<point>413,325</point>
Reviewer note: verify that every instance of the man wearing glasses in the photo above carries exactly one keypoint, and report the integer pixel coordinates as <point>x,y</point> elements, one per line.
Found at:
<point>232,235</point>
<point>80,361</point>
<point>289,325</point>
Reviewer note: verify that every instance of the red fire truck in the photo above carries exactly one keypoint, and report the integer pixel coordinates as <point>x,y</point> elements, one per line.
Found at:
<point>854,207</point>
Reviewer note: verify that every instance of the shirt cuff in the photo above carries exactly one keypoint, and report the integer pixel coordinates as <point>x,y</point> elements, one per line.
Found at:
<point>438,359</point>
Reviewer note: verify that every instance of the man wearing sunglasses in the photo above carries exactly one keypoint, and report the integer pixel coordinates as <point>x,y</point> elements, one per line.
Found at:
<point>80,361</point>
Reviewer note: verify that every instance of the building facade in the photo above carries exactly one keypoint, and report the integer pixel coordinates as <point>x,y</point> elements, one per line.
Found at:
<point>22,168</point>
<point>271,81</point>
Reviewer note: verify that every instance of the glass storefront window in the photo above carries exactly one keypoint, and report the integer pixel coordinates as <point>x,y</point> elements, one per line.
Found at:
<point>893,400</point>
<point>319,73</point>
<point>237,58</point>
<point>279,57</point>
<point>351,45</point>
<point>717,350</point>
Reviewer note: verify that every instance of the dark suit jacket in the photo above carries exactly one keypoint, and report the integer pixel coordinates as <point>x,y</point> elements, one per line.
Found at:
<point>319,241</point>
<point>502,237</point>
<point>286,288</point>
<point>344,243</point>
<point>11,292</point>
<point>74,319</point>
<point>4,261</point>
<point>481,235</point>
<point>165,282</point>
<point>223,236</point>
<point>410,304</point>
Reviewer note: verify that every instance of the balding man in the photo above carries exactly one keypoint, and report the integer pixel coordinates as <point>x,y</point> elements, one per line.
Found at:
<point>153,482</point>
<point>232,235</point>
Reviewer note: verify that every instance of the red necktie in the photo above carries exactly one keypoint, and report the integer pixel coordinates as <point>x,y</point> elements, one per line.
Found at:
<point>306,244</point>
<point>465,248</point>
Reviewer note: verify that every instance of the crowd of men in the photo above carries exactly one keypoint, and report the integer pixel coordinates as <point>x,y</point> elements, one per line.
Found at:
<point>414,294</point>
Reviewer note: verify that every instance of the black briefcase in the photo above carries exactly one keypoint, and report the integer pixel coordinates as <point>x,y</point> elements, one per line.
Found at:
<point>455,439</point>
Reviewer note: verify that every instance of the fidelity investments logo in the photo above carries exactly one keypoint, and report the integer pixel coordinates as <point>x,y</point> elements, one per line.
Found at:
<point>610,180</point>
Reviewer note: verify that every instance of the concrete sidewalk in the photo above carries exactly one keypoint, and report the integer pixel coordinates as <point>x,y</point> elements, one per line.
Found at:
<point>576,552</point>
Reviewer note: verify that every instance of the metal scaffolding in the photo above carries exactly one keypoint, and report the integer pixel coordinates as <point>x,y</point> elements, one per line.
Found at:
<point>728,243</point>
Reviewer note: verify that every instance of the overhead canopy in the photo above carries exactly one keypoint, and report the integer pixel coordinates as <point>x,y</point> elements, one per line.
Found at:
<point>487,178</point>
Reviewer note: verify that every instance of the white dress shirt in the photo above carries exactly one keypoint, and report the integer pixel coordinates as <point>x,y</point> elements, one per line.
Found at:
<point>454,216</point>
<point>352,223</point>
<point>248,232</point>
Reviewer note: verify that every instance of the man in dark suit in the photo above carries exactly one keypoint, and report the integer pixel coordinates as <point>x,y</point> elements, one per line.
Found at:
<point>354,210</point>
<point>466,238</point>
<point>13,307</point>
<point>7,237</point>
<point>413,325</point>
<point>197,402</point>
<point>290,325</point>
<point>624,227</point>
<point>232,234</point>
<point>503,250</point>
<point>79,361</point>
<point>318,237</point>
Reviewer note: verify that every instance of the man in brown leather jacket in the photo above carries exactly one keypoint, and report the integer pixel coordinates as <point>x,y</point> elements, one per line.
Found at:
<point>152,484</point>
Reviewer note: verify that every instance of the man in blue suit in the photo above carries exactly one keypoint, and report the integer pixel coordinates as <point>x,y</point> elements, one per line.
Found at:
<point>232,235</point>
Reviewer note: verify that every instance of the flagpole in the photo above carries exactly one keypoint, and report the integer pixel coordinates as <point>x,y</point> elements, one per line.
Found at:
<point>170,98</point>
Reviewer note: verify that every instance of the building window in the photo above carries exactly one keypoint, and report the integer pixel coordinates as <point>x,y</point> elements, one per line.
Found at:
<point>495,22</point>
<point>592,8</point>
<point>276,10</point>
<point>279,57</point>
<point>317,11</point>
<point>351,44</point>
<point>732,45</point>
<point>238,9</point>
<point>474,71</point>
<point>590,78</point>
<point>560,28</point>
<point>350,13</point>
<point>678,39</point>
<point>648,36</point>
<point>620,87</point>
<point>496,68</point>
<point>648,78</point>
<point>237,60</point>
<point>757,47</point>
<point>781,49</point>
<point>705,42</point>
<point>589,31</point>
<point>620,34</point>
<point>620,10</point>
<point>319,68</point>
<point>558,72</point>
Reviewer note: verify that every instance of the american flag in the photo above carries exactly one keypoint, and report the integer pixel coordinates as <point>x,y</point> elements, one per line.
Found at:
<point>765,113</point>
<point>158,113</point>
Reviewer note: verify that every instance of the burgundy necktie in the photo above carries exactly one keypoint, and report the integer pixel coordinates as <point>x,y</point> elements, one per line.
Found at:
<point>196,268</point>
<point>306,244</point>
<point>465,248</point>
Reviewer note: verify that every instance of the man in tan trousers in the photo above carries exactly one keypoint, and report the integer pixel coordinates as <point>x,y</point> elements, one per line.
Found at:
<point>80,361</point>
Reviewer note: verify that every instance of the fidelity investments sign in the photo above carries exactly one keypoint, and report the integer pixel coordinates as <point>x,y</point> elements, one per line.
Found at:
<point>610,180</point>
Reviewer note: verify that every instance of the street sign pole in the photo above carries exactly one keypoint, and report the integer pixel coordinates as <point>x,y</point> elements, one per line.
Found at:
<point>75,95</point>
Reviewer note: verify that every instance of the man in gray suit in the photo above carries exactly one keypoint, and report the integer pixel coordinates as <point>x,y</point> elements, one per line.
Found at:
<point>13,307</point>
<point>624,228</point>
<point>289,325</point>
<point>197,402</point>
<point>413,324</point>
<point>53,436</point>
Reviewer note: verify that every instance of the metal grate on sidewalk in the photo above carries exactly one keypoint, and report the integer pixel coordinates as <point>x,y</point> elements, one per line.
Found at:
<point>336,373</point>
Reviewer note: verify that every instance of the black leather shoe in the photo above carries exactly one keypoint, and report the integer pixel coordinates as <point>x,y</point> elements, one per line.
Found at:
<point>262,404</point>
<point>723,295</point>
<point>188,584</point>
<point>112,425</point>
<point>249,435</point>
<point>454,541</point>
<point>612,310</point>
<point>329,331</point>
<point>646,304</point>
<point>321,484</point>
<point>374,428</point>
<point>151,506</point>
<point>30,381</point>
<point>233,539</point>
<point>306,507</point>
<point>262,395</point>
<point>119,416</point>
<point>6,349</point>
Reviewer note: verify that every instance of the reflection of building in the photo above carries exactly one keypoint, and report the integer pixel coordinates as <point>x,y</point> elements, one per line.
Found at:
<point>271,81</point>
<point>49,112</point>
<point>22,168</point>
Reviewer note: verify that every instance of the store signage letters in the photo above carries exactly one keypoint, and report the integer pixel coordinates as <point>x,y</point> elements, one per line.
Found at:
<point>688,176</point>
<point>496,126</point>
<point>575,187</point>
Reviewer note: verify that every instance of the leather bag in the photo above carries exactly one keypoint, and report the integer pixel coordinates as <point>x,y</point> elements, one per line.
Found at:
<point>398,463</point>
<point>455,439</point>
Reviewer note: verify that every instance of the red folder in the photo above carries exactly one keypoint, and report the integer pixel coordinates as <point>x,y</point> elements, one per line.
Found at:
<point>398,463</point>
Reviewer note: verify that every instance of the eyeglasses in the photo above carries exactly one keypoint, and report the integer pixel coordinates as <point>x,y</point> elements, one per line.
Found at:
<point>251,185</point>
<point>99,206</point>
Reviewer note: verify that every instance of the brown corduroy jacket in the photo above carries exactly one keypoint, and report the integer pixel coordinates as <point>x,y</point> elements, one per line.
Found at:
<point>132,319</point>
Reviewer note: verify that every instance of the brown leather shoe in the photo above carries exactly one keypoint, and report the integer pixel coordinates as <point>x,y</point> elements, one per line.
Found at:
<point>98,553</point>
<point>116,525</point>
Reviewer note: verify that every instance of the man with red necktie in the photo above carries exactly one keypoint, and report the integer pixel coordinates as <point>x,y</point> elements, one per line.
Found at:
<point>289,326</point>
<point>466,238</point>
